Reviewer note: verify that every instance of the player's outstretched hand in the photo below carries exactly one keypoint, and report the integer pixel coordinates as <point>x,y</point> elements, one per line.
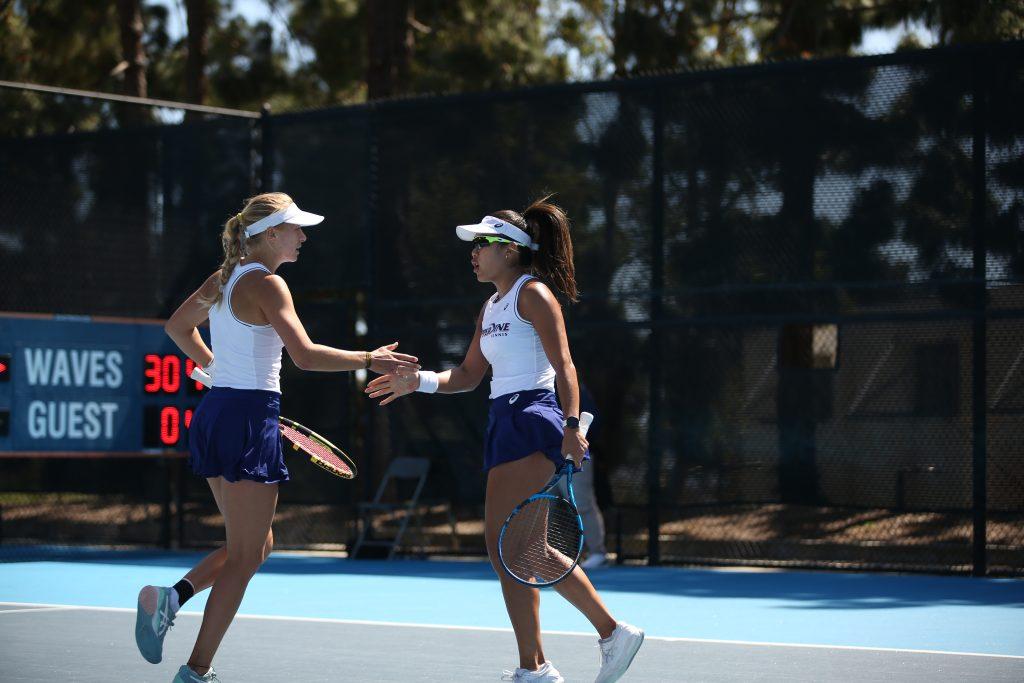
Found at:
<point>384,360</point>
<point>393,385</point>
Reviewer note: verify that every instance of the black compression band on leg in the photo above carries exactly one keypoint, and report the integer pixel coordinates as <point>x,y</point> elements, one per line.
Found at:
<point>185,590</point>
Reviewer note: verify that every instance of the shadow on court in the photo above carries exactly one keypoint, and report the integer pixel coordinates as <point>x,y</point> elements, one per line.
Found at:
<point>97,646</point>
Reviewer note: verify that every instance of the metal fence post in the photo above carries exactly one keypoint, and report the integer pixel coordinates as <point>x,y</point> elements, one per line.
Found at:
<point>266,150</point>
<point>165,503</point>
<point>654,360</point>
<point>979,361</point>
<point>369,423</point>
<point>180,476</point>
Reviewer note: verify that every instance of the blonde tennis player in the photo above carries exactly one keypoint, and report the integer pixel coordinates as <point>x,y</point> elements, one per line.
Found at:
<point>233,438</point>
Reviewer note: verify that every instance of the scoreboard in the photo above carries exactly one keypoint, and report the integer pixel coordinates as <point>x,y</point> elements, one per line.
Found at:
<point>80,383</point>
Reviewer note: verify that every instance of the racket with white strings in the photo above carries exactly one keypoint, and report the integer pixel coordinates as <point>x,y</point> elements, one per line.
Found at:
<point>321,452</point>
<point>542,538</point>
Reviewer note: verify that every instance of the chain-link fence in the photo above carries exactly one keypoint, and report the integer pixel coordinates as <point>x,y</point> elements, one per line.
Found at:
<point>801,305</point>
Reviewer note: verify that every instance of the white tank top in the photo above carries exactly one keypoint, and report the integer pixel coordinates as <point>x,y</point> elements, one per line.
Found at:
<point>246,356</point>
<point>512,346</point>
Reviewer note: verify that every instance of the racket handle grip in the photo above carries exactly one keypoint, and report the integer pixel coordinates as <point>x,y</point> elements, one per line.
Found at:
<point>201,376</point>
<point>585,420</point>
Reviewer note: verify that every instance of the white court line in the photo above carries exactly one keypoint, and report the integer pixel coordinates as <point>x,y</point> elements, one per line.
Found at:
<point>52,608</point>
<point>453,627</point>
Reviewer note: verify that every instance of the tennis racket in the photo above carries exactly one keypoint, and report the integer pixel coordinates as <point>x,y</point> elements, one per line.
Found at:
<point>321,452</point>
<point>542,538</point>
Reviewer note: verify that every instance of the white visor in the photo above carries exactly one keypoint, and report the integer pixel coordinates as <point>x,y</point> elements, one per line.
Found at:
<point>489,225</point>
<point>290,214</point>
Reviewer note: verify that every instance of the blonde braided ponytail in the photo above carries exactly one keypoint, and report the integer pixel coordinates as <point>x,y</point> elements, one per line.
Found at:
<point>236,245</point>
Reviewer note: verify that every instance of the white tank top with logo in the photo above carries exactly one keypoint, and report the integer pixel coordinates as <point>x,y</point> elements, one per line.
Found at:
<point>245,356</point>
<point>512,346</point>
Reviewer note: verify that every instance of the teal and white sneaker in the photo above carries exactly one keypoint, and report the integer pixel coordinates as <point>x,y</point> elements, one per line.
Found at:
<point>617,652</point>
<point>187,675</point>
<point>152,621</point>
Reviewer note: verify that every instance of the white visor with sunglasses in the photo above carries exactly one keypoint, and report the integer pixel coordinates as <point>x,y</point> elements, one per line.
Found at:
<point>290,214</point>
<point>489,226</point>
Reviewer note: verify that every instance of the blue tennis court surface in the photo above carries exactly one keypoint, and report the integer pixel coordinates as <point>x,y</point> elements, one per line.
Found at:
<point>678,608</point>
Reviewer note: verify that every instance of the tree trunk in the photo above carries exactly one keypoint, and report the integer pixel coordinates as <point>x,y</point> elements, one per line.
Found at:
<point>133,54</point>
<point>390,43</point>
<point>196,86</point>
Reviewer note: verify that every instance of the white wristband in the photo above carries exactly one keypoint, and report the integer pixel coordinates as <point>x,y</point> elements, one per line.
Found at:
<point>428,381</point>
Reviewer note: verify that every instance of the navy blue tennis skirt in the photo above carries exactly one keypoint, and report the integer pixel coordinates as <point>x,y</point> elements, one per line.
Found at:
<point>523,423</point>
<point>234,434</point>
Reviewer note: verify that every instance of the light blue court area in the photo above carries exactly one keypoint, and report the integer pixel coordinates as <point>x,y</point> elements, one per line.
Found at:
<point>905,612</point>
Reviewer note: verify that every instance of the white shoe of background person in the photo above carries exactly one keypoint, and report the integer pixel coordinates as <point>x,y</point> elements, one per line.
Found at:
<point>545,674</point>
<point>594,561</point>
<point>617,652</point>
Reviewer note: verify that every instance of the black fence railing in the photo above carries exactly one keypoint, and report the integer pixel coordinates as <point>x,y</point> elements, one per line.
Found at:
<point>801,309</point>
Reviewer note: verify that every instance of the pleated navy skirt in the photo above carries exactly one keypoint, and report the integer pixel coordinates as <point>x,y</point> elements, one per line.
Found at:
<point>234,434</point>
<point>522,423</point>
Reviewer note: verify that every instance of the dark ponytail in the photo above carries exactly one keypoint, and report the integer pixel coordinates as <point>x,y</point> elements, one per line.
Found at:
<point>548,226</point>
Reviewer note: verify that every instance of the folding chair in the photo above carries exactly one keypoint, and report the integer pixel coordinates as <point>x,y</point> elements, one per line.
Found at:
<point>405,471</point>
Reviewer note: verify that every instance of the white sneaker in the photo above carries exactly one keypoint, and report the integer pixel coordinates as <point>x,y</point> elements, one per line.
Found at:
<point>617,652</point>
<point>545,674</point>
<point>594,561</point>
<point>187,675</point>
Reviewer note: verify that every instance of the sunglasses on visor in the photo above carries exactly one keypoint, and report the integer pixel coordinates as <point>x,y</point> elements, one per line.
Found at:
<point>483,241</point>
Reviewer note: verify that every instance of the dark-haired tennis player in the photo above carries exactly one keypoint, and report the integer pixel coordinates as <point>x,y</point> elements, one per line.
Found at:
<point>233,438</point>
<point>520,333</point>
